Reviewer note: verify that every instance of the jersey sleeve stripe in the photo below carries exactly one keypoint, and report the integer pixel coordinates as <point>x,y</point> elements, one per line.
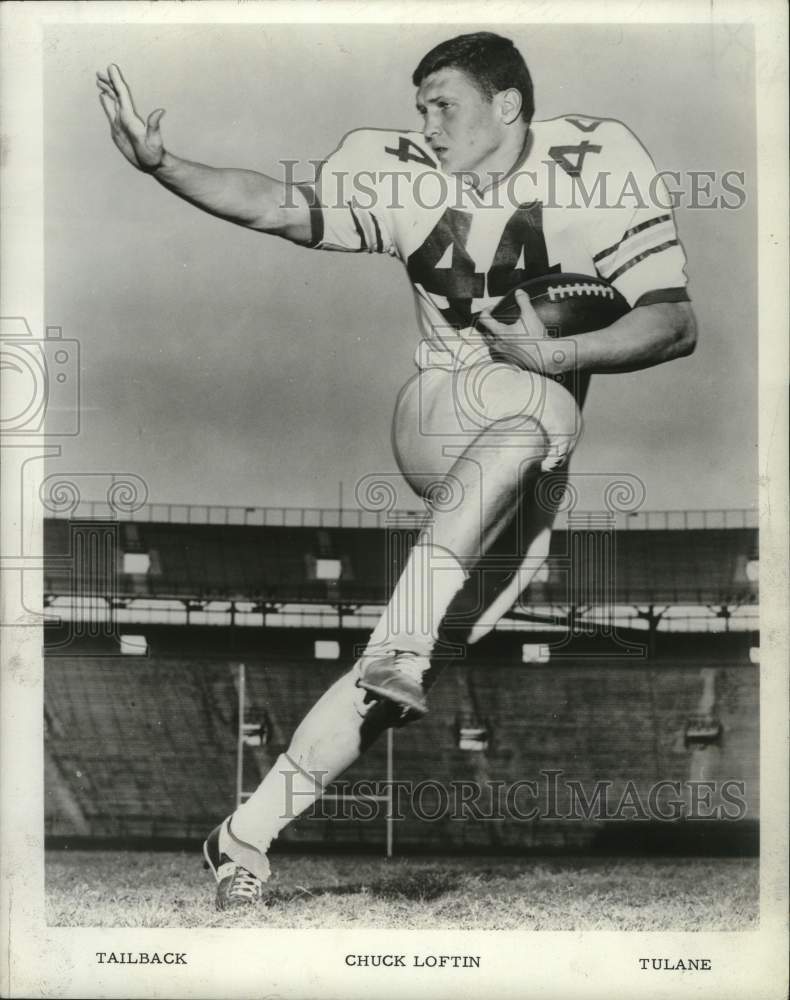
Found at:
<point>637,244</point>
<point>663,295</point>
<point>640,257</point>
<point>632,232</point>
<point>316,214</point>
<point>379,240</point>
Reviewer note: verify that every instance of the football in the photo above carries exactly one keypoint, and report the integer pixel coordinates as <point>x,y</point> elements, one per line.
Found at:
<point>567,304</point>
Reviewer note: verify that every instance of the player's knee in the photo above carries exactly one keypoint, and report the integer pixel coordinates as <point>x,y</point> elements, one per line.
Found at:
<point>561,420</point>
<point>521,397</point>
<point>538,414</point>
<point>545,417</point>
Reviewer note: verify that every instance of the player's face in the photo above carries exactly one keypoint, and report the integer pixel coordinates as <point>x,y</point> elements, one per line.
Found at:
<point>460,125</point>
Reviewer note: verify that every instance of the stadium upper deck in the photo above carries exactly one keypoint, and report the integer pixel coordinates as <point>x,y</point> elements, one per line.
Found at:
<point>345,558</point>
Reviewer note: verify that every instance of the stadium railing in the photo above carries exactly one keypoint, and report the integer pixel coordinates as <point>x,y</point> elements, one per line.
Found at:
<point>337,517</point>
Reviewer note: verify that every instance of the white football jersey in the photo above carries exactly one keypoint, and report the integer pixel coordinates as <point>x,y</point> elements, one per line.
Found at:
<point>585,198</point>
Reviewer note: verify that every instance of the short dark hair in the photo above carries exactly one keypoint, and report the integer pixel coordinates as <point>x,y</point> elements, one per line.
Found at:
<point>492,62</point>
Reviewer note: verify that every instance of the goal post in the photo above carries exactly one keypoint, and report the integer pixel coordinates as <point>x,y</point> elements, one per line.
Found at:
<point>241,686</point>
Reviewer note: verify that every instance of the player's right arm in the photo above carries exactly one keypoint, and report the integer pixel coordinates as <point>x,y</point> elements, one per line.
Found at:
<point>245,197</point>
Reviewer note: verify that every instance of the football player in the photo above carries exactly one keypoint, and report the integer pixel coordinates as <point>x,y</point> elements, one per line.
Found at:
<point>479,201</point>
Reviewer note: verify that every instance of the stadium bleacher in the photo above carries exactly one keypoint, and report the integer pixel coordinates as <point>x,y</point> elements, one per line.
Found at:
<point>145,746</point>
<point>132,742</point>
<point>236,562</point>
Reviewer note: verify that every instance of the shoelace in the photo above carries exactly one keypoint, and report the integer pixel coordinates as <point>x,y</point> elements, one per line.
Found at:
<point>244,886</point>
<point>412,665</point>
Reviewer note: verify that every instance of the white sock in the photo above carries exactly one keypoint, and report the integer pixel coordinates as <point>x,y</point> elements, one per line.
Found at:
<point>284,794</point>
<point>429,582</point>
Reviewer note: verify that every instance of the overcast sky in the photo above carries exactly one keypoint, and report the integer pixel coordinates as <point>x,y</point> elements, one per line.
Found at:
<point>227,367</point>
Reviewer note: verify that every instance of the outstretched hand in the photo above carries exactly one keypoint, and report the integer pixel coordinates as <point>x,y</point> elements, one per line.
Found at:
<point>139,141</point>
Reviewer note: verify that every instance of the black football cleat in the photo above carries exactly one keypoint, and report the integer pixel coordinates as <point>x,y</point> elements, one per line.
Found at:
<point>396,677</point>
<point>240,879</point>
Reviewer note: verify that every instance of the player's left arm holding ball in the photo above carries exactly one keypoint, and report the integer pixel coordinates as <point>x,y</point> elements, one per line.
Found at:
<point>647,336</point>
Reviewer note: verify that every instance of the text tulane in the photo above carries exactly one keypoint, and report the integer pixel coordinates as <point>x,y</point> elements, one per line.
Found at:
<point>676,964</point>
<point>141,958</point>
<point>417,961</point>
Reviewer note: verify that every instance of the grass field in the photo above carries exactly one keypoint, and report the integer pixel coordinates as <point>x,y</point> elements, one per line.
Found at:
<point>120,889</point>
